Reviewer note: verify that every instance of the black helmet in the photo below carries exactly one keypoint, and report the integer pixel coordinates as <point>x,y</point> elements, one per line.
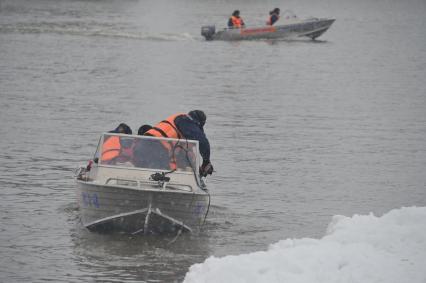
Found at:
<point>122,129</point>
<point>143,129</point>
<point>275,11</point>
<point>236,13</point>
<point>198,116</point>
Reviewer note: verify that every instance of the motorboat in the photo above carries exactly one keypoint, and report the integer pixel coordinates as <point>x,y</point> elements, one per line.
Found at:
<point>132,188</point>
<point>292,27</point>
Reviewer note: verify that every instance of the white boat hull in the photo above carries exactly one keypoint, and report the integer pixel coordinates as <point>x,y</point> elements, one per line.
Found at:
<point>133,193</point>
<point>134,210</point>
<point>312,28</point>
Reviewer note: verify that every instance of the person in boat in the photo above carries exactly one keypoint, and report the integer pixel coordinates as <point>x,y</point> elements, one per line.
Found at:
<point>183,126</point>
<point>274,16</point>
<point>235,21</point>
<point>149,153</point>
<point>117,149</point>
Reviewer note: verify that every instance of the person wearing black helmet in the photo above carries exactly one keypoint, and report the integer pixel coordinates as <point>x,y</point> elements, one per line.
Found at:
<point>187,126</point>
<point>114,148</point>
<point>274,16</point>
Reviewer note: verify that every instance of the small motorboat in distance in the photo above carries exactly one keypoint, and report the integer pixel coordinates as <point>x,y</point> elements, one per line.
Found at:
<point>126,188</point>
<point>293,27</point>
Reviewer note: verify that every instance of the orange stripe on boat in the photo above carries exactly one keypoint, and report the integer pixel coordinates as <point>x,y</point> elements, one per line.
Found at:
<point>257,30</point>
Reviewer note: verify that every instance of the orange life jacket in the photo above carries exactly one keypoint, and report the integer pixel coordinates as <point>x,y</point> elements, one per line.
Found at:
<point>167,129</point>
<point>269,21</point>
<point>236,22</point>
<point>111,148</point>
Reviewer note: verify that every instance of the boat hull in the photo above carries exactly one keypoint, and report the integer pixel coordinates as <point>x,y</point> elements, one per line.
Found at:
<point>139,210</point>
<point>308,28</point>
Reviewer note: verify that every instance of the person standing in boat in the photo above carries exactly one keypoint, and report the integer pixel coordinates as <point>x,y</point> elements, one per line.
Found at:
<point>235,21</point>
<point>274,16</point>
<point>186,126</point>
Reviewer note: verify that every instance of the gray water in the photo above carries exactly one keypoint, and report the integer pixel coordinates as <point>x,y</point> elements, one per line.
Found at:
<point>300,130</point>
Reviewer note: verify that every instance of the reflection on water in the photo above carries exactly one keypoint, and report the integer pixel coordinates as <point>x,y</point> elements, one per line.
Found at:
<point>147,258</point>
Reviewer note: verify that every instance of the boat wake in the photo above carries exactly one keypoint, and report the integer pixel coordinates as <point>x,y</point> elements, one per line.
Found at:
<point>92,30</point>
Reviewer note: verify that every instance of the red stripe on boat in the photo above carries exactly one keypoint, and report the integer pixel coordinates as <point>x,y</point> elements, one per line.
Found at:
<point>258,30</point>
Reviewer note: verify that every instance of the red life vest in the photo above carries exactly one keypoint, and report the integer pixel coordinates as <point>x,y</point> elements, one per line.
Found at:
<point>167,129</point>
<point>237,22</point>
<point>111,148</point>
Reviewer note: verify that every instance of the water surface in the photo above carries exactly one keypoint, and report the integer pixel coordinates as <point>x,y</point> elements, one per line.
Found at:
<point>299,130</point>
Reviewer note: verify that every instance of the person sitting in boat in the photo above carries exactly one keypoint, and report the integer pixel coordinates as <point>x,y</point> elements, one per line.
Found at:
<point>143,151</point>
<point>117,149</point>
<point>185,126</point>
<point>274,16</point>
<point>235,21</point>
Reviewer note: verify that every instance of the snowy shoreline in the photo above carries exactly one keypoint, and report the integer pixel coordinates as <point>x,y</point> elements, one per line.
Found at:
<point>361,248</point>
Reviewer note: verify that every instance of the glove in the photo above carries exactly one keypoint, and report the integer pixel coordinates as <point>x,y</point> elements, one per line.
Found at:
<point>206,169</point>
<point>89,166</point>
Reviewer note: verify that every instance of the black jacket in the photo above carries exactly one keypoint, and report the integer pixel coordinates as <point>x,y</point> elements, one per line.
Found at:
<point>192,130</point>
<point>274,18</point>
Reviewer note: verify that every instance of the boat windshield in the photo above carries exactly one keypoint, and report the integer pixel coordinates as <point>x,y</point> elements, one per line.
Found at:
<point>147,152</point>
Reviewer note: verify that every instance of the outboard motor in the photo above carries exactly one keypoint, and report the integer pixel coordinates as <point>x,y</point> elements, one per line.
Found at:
<point>208,32</point>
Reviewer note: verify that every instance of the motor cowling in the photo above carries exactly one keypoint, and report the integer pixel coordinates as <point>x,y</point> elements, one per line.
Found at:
<point>208,32</point>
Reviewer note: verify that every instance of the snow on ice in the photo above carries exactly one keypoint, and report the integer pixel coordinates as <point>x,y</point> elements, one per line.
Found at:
<point>362,248</point>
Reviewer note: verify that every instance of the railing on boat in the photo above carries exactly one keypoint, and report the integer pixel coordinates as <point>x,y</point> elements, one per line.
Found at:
<point>143,184</point>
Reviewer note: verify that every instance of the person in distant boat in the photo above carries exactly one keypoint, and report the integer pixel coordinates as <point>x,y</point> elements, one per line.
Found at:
<point>235,21</point>
<point>274,16</point>
<point>185,126</point>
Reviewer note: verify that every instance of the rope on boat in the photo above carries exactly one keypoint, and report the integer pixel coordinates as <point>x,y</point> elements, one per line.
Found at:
<point>176,237</point>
